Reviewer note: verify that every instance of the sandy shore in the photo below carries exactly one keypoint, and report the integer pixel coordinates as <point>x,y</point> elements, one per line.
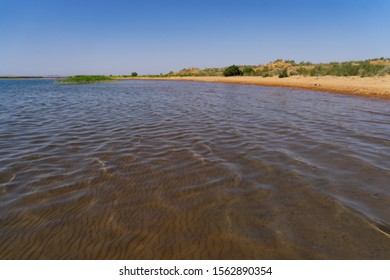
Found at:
<point>368,86</point>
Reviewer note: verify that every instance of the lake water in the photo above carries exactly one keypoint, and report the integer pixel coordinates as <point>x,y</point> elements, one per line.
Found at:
<point>185,170</point>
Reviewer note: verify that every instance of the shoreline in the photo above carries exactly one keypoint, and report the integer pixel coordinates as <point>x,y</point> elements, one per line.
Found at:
<point>368,86</point>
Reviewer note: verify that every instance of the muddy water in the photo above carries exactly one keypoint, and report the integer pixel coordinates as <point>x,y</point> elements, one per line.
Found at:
<point>183,170</point>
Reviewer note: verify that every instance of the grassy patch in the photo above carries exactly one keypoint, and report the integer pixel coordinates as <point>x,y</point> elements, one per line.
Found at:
<point>84,79</point>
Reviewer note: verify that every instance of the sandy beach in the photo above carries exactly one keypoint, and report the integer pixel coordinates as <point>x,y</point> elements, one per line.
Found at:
<point>367,86</point>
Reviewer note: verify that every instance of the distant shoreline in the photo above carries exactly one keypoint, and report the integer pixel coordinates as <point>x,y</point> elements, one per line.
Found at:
<point>367,86</point>
<point>378,86</point>
<point>29,78</point>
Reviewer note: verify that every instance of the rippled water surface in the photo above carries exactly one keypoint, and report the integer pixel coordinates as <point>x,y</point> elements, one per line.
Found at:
<point>183,170</point>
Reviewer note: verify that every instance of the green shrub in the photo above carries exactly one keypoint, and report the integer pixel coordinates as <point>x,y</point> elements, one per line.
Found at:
<point>302,71</point>
<point>292,62</point>
<point>266,74</point>
<point>384,71</point>
<point>134,74</point>
<point>283,73</point>
<point>248,71</point>
<point>232,70</point>
<point>307,63</point>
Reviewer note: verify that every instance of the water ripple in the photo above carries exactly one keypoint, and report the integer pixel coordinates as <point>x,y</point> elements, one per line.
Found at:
<point>173,170</point>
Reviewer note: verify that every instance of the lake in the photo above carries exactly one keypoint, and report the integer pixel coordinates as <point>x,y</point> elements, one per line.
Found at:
<point>186,170</point>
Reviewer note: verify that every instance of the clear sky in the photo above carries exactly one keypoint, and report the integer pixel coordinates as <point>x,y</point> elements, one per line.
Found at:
<point>63,37</point>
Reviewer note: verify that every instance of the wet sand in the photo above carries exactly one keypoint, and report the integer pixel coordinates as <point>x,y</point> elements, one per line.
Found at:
<point>367,86</point>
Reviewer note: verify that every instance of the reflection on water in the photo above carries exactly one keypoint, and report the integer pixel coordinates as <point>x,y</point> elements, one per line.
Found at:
<point>181,170</point>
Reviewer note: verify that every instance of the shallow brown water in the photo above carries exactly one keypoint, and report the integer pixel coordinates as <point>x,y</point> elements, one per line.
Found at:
<point>182,170</point>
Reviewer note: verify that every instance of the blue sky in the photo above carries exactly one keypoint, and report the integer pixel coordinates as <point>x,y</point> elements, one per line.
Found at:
<point>64,37</point>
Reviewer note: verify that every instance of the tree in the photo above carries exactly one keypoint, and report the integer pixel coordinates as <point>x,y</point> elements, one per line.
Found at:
<point>232,70</point>
<point>134,74</point>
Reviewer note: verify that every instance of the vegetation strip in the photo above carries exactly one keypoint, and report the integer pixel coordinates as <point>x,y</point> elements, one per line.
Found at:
<point>286,68</point>
<point>84,79</point>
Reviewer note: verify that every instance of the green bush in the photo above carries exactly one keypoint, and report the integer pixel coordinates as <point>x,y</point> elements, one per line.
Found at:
<point>292,62</point>
<point>384,71</point>
<point>283,73</point>
<point>134,74</point>
<point>302,71</point>
<point>266,74</point>
<point>248,71</point>
<point>232,70</point>
<point>293,73</point>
